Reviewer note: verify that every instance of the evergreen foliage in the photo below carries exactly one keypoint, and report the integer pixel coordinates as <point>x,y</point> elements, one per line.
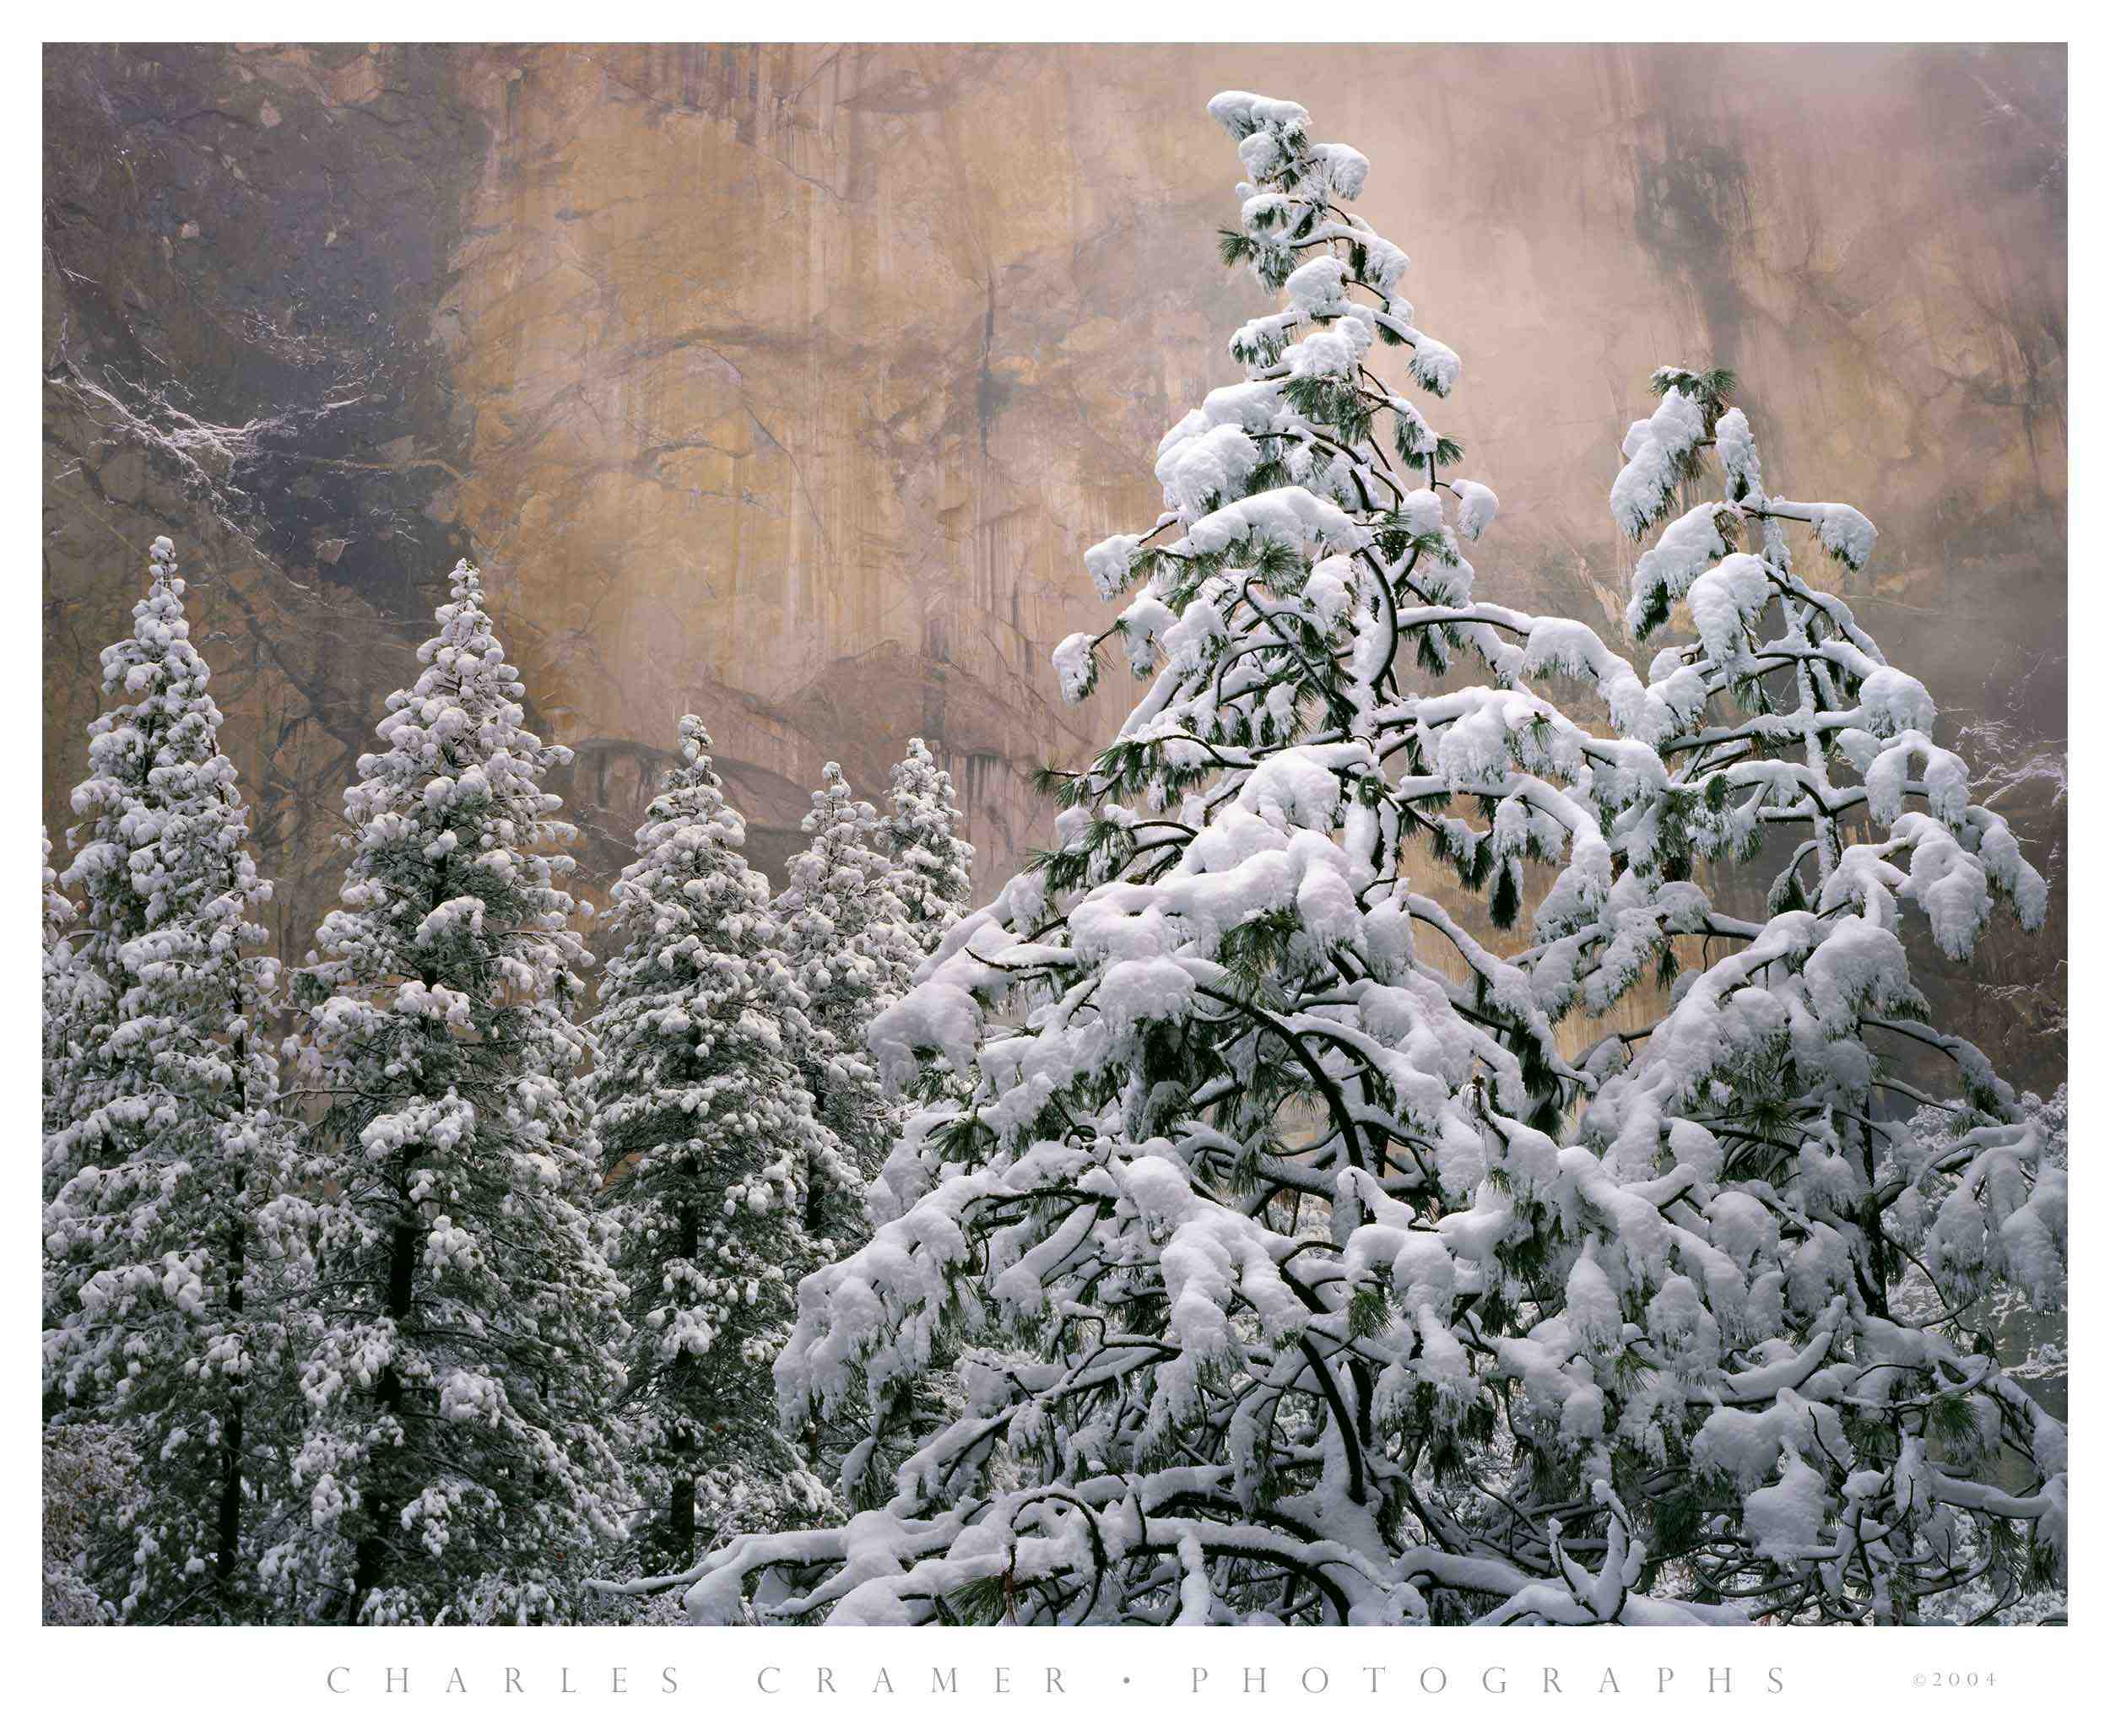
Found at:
<point>1297,1260</point>
<point>89,1471</point>
<point>848,938</point>
<point>927,839</point>
<point>163,1139</point>
<point>59,981</point>
<point>709,1134</point>
<point>1245,1218</point>
<point>461,1351</point>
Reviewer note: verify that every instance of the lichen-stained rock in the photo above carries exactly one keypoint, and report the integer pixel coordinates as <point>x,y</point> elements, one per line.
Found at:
<point>788,385</point>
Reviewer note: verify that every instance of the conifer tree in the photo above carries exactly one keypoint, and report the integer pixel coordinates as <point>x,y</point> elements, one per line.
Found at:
<point>1294,1265</point>
<point>847,937</point>
<point>709,1134</point>
<point>458,1465</point>
<point>59,981</point>
<point>164,1141</point>
<point>926,837</point>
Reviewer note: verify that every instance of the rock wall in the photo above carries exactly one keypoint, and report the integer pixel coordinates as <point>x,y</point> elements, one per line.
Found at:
<point>787,385</point>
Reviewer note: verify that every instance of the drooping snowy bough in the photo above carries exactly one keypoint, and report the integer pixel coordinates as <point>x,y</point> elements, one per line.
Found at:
<point>1293,1267</point>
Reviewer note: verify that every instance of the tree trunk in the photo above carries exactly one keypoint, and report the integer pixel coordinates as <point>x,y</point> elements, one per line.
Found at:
<point>681,1505</point>
<point>231,1439</point>
<point>229,1554</point>
<point>229,1551</point>
<point>373,1543</point>
<point>681,1509</point>
<point>816,1174</point>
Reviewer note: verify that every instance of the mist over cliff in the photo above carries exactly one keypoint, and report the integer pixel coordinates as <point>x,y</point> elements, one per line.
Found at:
<point>787,385</point>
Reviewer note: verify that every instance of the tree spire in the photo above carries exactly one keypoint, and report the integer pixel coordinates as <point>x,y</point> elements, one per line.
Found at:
<point>925,831</point>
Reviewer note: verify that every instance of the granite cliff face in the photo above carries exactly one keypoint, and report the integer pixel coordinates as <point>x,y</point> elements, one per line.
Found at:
<point>787,385</point>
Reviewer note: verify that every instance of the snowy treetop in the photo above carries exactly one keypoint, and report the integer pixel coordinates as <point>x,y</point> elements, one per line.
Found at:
<point>454,798</point>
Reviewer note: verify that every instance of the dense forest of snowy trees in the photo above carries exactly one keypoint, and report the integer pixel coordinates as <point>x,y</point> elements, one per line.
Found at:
<point>481,1299</point>
<point>1264,1210</point>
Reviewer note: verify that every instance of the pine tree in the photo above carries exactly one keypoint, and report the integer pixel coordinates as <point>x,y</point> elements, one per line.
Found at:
<point>849,942</point>
<point>709,1131</point>
<point>59,987</point>
<point>164,1141</point>
<point>458,1466</point>
<point>934,861</point>
<point>1294,1267</point>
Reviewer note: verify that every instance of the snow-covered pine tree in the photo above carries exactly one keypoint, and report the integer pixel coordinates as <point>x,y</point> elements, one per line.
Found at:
<point>933,860</point>
<point>164,1139</point>
<point>708,1133</point>
<point>58,988</point>
<point>851,945</point>
<point>458,1465</point>
<point>1305,1274</point>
